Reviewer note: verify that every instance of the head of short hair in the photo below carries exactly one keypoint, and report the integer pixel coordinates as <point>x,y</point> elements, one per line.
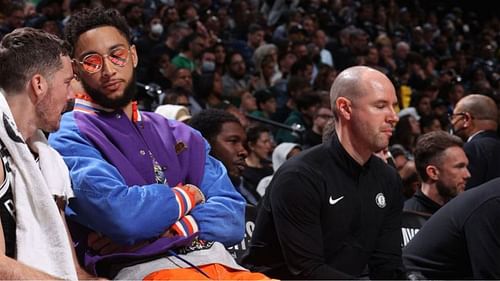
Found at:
<point>254,132</point>
<point>429,150</point>
<point>209,122</point>
<point>263,95</point>
<point>230,55</point>
<point>88,19</point>
<point>301,65</point>
<point>297,84</point>
<point>27,51</point>
<point>203,84</point>
<point>173,93</point>
<point>176,27</point>
<point>307,99</point>
<point>186,41</point>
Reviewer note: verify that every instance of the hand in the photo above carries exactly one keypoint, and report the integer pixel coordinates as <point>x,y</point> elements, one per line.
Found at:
<point>104,246</point>
<point>169,233</point>
<point>195,191</point>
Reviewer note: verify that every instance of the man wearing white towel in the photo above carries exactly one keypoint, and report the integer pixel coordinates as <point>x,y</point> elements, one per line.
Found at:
<point>35,76</point>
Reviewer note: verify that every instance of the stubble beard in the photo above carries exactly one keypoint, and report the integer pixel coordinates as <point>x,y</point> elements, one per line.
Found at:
<point>43,112</point>
<point>445,192</point>
<point>129,94</point>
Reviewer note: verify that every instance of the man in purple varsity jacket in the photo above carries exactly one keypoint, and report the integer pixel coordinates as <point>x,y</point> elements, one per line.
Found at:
<point>148,197</point>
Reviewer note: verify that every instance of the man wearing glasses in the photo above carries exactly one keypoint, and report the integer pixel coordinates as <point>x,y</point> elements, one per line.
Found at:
<point>475,120</point>
<point>143,184</point>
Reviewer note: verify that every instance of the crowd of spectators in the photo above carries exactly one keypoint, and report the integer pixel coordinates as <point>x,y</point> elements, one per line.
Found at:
<point>272,63</point>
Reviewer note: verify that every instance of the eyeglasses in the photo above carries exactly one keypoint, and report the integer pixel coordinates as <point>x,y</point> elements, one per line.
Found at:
<point>93,63</point>
<point>452,116</point>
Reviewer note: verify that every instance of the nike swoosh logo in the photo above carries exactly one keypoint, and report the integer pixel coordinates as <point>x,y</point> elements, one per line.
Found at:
<point>335,201</point>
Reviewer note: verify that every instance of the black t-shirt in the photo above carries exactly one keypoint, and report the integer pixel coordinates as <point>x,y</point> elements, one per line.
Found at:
<point>7,210</point>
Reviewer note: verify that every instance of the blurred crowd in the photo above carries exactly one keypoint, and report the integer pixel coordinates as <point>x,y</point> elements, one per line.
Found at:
<point>271,63</point>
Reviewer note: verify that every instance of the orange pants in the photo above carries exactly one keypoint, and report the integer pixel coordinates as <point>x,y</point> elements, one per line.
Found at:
<point>215,271</point>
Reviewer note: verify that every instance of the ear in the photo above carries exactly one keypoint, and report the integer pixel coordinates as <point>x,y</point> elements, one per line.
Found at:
<point>76,70</point>
<point>133,54</point>
<point>39,87</point>
<point>344,107</point>
<point>467,120</point>
<point>432,172</point>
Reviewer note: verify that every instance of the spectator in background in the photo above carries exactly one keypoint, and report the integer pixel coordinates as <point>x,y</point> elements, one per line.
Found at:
<point>14,13</point>
<point>324,78</point>
<point>281,153</point>
<point>266,103</point>
<point>410,179</point>
<point>320,40</point>
<point>266,72</point>
<point>303,67</point>
<point>430,123</point>
<point>134,14</point>
<point>183,78</point>
<point>442,165</point>
<point>236,77</point>
<point>177,96</point>
<point>356,45</point>
<point>301,118</point>
<point>208,89</point>
<point>407,129</point>
<point>160,71</point>
<point>248,103</point>
<point>176,32</point>
<point>207,62</point>
<point>475,120</point>
<point>254,39</point>
<point>314,135</point>
<point>191,48</point>
<point>400,156</point>
<point>422,104</point>
<point>227,137</point>
<point>153,31</point>
<point>259,146</point>
<point>220,58</point>
<point>297,85</point>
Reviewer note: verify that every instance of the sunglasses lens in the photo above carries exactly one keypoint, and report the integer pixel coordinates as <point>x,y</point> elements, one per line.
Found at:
<point>92,63</point>
<point>119,56</point>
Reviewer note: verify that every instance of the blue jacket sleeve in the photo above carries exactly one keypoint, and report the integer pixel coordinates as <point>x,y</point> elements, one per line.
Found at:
<point>129,214</point>
<point>222,217</point>
<point>103,201</point>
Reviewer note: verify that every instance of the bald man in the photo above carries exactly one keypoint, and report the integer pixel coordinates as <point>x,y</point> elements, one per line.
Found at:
<point>334,211</point>
<point>475,120</point>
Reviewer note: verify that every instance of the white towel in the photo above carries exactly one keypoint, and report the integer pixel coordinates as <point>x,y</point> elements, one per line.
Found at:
<point>42,240</point>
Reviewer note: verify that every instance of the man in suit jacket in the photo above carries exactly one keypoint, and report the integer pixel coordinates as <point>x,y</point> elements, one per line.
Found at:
<point>475,120</point>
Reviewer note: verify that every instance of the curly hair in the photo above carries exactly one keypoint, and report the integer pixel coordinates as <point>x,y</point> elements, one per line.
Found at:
<point>88,19</point>
<point>209,122</point>
<point>27,51</point>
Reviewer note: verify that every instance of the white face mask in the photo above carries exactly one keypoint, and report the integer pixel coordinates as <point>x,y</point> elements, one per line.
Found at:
<point>157,29</point>
<point>207,66</point>
<point>169,3</point>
